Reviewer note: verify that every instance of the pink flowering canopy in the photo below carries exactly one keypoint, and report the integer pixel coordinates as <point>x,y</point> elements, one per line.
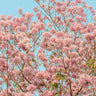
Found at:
<point>54,55</point>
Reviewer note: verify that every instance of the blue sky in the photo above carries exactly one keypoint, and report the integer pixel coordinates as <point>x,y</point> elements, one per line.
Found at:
<point>10,7</point>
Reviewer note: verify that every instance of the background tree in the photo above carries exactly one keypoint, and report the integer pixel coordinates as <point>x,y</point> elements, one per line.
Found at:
<point>54,55</point>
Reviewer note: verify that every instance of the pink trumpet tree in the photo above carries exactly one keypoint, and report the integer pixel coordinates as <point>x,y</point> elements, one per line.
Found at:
<point>53,55</point>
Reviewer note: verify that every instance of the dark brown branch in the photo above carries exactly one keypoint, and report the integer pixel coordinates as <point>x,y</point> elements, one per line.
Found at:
<point>70,87</point>
<point>78,91</point>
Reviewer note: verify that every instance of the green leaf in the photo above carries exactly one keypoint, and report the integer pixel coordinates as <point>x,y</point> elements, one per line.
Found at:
<point>90,62</point>
<point>33,60</point>
<point>54,85</point>
<point>46,30</point>
<point>16,84</point>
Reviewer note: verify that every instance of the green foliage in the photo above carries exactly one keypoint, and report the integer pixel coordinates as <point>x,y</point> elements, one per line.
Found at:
<point>60,76</point>
<point>91,63</point>
<point>54,85</point>
<point>33,60</point>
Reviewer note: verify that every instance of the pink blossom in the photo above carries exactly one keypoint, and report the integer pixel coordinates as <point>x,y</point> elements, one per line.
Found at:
<point>85,80</point>
<point>58,9</point>
<point>29,15</point>
<point>78,1</point>
<point>40,75</point>
<point>48,93</point>
<point>34,31</point>
<point>60,34</point>
<point>94,18</point>
<point>65,49</point>
<point>22,19</point>
<point>42,6</point>
<point>59,3</point>
<point>50,25</point>
<point>1,82</point>
<point>36,9</point>
<point>23,28</point>
<point>46,34</point>
<point>89,36</point>
<point>21,54</point>
<point>20,10</point>
<point>74,55</point>
<point>66,60</point>
<point>59,43</point>
<point>17,60</point>
<point>53,31</point>
<point>94,32</point>
<point>67,41</point>
<point>9,17</point>
<point>38,15</point>
<point>90,7</point>
<point>52,68</point>
<point>31,88</point>
<point>72,28</point>
<point>37,1</point>
<point>47,75</point>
